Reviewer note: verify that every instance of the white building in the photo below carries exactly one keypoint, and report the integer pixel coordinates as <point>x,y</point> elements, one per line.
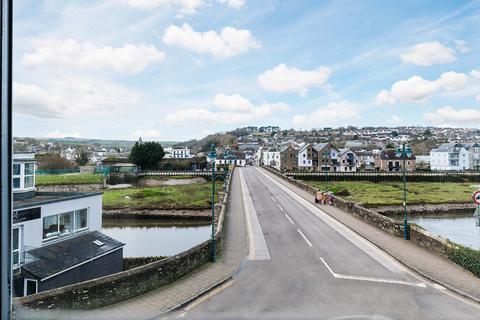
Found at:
<point>231,158</point>
<point>50,226</point>
<point>178,153</point>
<point>271,157</point>
<point>305,157</point>
<point>449,156</point>
<point>473,155</point>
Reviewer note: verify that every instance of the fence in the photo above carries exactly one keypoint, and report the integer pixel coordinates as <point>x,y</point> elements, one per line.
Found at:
<point>177,173</point>
<point>387,176</point>
<point>58,171</point>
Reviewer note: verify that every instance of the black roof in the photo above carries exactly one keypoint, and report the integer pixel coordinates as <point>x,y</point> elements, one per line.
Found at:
<point>57,257</point>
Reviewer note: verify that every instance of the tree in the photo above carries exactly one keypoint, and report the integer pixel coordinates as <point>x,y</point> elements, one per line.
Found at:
<point>82,157</point>
<point>147,155</point>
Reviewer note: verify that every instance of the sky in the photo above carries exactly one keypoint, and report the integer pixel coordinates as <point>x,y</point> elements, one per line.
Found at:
<point>182,69</point>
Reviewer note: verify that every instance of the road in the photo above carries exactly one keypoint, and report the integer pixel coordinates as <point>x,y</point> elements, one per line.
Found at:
<point>304,264</point>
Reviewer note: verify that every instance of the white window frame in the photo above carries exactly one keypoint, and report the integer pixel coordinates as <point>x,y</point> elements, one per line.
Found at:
<point>17,176</point>
<point>25,175</point>
<point>20,246</point>
<point>25,286</point>
<point>74,224</point>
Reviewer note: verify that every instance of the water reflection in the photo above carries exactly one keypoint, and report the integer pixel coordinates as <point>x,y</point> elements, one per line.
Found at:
<point>459,228</point>
<point>155,238</point>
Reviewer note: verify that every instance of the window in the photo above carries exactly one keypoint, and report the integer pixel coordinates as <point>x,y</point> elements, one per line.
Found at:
<point>16,248</point>
<point>50,227</point>
<point>29,178</point>
<point>81,219</point>
<point>16,169</point>
<point>16,176</point>
<point>16,183</point>
<point>65,223</point>
<point>30,287</point>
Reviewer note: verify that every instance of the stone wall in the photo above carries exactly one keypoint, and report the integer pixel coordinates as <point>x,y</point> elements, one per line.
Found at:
<point>129,283</point>
<point>134,262</point>
<point>71,188</point>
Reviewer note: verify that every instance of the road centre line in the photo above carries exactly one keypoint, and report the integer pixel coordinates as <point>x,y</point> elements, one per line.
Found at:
<point>273,199</point>
<point>289,218</point>
<point>360,242</point>
<point>280,207</point>
<point>305,238</point>
<point>371,279</point>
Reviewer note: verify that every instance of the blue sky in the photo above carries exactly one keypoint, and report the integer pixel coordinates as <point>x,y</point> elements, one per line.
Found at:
<point>180,69</point>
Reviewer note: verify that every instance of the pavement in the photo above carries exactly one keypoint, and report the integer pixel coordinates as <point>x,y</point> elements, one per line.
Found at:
<point>319,265</point>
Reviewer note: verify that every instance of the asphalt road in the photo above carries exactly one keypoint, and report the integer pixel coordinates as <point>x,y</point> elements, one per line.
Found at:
<point>304,264</point>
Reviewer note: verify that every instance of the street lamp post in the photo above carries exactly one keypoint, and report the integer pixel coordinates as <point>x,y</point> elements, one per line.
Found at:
<point>213,155</point>
<point>326,152</point>
<point>404,151</point>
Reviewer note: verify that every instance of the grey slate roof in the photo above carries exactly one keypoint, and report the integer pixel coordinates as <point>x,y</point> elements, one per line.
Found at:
<point>446,147</point>
<point>58,256</point>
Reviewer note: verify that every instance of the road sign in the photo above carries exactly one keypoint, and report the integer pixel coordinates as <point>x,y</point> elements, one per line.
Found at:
<point>476,197</point>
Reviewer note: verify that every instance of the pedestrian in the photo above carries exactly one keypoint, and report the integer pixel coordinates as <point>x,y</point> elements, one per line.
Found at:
<point>318,197</point>
<point>324,200</point>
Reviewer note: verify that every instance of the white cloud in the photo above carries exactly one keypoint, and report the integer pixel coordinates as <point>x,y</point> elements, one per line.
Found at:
<point>333,113</point>
<point>60,134</point>
<point>65,97</point>
<point>478,98</point>
<point>235,4</point>
<point>461,46</point>
<point>396,120</point>
<point>285,79</point>
<point>231,109</point>
<point>187,7</point>
<point>229,42</point>
<point>475,73</point>
<point>428,53</point>
<point>447,116</point>
<point>418,89</point>
<point>147,133</point>
<point>384,98</point>
<point>128,59</point>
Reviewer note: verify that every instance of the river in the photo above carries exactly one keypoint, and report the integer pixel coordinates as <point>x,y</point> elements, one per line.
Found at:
<point>145,238</point>
<point>458,228</point>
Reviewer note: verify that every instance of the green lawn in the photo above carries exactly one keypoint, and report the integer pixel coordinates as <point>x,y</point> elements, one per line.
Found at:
<point>192,196</point>
<point>375,194</point>
<point>70,178</point>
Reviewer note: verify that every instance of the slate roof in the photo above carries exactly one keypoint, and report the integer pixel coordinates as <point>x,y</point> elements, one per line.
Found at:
<point>391,155</point>
<point>446,147</point>
<point>56,257</point>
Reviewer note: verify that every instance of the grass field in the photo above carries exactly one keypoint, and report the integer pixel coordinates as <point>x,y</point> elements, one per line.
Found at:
<point>71,178</point>
<point>192,196</point>
<point>376,194</point>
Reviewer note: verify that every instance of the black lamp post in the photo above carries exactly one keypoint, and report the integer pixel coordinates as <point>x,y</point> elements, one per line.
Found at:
<point>404,151</point>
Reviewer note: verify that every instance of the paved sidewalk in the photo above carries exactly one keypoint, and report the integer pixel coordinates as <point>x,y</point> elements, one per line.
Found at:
<point>429,265</point>
<point>155,303</point>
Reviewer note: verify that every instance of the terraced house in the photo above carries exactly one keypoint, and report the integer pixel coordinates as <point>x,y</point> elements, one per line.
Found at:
<point>289,158</point>
<point>450,156</point>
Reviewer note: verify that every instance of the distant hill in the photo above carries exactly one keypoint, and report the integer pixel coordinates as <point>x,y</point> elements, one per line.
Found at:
<point>203,145</point>
<point>102,142</point>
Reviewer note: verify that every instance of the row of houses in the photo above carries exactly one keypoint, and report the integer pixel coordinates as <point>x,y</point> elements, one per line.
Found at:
<point>326,157</point>
<point>455,156</point>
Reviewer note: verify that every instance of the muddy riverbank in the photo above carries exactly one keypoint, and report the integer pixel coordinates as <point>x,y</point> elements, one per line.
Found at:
<point>149,214</point>
<point>427,209</point>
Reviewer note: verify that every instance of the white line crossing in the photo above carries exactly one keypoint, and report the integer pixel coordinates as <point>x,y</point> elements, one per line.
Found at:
<point>371,279</point>
<point>305,238</point>
<point>289,218</point>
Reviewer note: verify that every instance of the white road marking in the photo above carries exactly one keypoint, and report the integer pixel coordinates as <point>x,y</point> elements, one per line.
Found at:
<point>371,279</point>
<point>205,297</point>
<point>273,199</point>
<point>360,242</point>
<point>280,207</point>
<point>289,218</point>
<point>258,249</point>
<point>305,238</point>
